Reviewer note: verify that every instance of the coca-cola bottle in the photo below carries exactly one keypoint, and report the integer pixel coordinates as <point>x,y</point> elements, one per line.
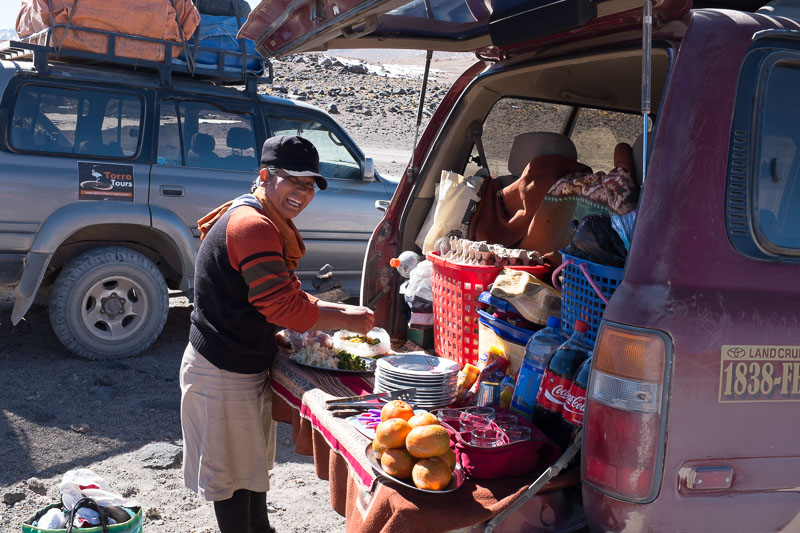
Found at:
<point>557,381</point>
<point>572,412</point>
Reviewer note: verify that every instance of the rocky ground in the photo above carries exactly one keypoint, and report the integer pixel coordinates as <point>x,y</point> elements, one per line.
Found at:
<point>375,101</point>
<point>121,419</point>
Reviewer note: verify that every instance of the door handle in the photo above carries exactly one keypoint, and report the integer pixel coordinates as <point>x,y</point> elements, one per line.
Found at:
<point>382,205</point>
<point>171,190</point>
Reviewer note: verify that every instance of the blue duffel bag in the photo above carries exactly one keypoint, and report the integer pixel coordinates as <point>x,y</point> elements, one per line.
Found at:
<point>220,33</point>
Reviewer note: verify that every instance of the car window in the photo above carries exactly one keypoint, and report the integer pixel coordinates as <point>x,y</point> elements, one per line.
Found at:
<point>335,161</point>
<point>597,132</point>
<point>200,134</point>
<point>777,182</point>
<point>508,118</point>
<point>76,121</point>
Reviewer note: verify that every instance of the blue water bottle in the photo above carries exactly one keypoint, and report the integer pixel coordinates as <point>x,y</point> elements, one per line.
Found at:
<point>540,348</point>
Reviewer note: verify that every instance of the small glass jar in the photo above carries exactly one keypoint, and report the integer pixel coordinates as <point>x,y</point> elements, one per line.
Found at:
<point>483,412</point>
<point>451,417</point>
<point>471,422</point>
<point>505,419</point>
<point>517,433</point>
<point>486,438</point>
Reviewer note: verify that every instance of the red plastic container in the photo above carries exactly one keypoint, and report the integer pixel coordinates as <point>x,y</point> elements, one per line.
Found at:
<point>506,460</point>
<point>456,288</point>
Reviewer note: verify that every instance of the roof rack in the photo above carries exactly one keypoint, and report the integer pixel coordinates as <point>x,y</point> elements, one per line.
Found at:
<point>39,47</point>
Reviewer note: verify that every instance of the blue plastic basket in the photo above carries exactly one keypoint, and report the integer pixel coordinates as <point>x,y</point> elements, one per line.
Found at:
<point>504,329</point>
<point>579,300</point>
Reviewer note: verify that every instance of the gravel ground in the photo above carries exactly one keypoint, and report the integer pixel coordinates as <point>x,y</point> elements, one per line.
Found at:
<point>58,412</point>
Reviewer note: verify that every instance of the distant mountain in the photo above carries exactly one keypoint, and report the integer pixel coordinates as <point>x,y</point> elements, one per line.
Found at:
<point>7,34</point>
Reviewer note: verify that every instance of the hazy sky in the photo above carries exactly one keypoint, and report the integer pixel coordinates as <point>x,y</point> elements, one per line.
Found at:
<point>10,8</point>
<point>8,13</point>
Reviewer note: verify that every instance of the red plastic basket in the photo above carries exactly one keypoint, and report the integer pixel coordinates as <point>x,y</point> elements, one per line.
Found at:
<point>456,288</point>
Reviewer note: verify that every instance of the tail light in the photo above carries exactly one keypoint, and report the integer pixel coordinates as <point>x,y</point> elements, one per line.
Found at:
<point>624,429</point>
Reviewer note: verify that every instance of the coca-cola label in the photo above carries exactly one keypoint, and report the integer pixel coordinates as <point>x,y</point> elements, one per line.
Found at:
<point>553,392</point>
<point>574,405</point>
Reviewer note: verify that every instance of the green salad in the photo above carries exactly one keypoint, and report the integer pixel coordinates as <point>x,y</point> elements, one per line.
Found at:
<point>348,361</point>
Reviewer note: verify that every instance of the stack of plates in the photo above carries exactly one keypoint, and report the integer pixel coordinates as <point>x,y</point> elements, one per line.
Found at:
<point>433,377</point>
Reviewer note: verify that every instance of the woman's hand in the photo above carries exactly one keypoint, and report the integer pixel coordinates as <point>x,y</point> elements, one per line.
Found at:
<point>340,316</point>
<point>361,319</point>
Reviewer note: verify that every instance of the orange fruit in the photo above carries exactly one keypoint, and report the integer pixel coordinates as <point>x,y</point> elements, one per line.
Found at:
<point>398,463</point>
<point>427,441</point>
<point>449,458</point>
<point>392,433</point>
<point>423,419</point>
<point>396,409</point>
<point>378,449</point>
<point>431,474</point>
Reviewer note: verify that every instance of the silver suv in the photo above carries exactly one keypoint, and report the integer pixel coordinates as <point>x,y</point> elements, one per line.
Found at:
<point>104,172</point>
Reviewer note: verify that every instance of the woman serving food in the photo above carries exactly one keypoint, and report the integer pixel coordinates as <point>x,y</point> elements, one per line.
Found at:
<point>245,290</point>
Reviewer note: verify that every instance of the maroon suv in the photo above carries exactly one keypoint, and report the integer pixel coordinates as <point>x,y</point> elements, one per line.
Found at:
<point>690,422</point>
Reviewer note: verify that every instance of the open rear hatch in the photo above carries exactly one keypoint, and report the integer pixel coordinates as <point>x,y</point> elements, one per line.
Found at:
<point>492,28</point>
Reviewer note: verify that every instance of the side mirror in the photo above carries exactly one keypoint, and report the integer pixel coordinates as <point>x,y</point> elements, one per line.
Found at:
<point>368,170</point>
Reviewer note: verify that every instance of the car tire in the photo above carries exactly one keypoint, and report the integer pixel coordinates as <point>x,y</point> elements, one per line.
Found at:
<point>109,303</point>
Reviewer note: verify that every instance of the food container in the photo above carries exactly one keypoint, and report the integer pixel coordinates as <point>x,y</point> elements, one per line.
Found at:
<point>507,459</point>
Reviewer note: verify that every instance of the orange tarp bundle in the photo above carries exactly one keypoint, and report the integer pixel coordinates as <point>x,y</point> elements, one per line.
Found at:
<point>156,19</point>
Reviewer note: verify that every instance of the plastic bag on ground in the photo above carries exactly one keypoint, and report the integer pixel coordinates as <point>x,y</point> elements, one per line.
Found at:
<point>52,519</point>
<point>84,483</point>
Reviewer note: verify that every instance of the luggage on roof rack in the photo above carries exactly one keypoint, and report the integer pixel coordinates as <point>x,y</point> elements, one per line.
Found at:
<point>63,39</point>
<point>163,20</point>
<point>218,33</point>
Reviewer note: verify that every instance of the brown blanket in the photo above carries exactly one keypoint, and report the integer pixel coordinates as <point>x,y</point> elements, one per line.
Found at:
<point>506,216</point>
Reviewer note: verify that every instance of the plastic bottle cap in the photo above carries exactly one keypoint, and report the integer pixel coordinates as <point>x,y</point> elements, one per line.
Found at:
<point>581,326</point>
<point>553,322</point>
<point>394,262</point>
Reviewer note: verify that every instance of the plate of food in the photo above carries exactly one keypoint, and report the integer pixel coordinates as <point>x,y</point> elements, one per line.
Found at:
<point>315,349</point>
<point>457,474</point>
<point>325,358</point>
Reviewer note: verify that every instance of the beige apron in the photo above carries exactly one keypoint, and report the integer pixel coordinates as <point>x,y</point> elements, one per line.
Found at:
<point>228,431</point>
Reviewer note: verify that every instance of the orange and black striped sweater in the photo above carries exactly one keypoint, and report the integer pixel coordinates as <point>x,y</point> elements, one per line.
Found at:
<point>243,293</point>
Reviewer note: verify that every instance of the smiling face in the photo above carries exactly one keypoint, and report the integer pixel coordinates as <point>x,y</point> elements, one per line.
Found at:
<point>289,194</point>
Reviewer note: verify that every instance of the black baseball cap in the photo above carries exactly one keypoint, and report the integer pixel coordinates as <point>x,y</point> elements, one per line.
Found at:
<point>294,155</point>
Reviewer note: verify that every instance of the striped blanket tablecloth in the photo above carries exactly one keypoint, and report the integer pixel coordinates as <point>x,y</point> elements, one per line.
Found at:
<point>372,505</point>
<point>307,389</point>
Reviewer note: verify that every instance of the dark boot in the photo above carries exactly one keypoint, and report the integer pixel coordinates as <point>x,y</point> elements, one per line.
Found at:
<point>259,518</point>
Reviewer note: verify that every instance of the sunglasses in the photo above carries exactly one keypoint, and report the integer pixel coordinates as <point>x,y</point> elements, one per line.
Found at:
<point>297,180</point>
